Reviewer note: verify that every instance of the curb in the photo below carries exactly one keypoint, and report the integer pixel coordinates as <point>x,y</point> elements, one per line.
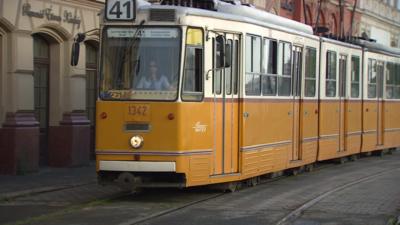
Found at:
<point>18,194</point>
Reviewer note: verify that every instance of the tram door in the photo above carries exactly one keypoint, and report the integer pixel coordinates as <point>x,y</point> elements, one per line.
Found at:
<point>297,104</point>
<point>226,107</point>
<point>380,106</point>
<point>342,102</point>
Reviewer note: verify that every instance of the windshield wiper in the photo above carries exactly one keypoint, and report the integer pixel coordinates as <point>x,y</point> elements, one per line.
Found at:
<point>128,48</point>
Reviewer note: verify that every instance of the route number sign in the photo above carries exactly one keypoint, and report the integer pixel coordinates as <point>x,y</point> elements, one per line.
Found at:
<point>121,10</point>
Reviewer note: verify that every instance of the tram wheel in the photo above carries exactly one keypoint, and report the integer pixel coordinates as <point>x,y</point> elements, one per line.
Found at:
<point>254,181</point>
<point>309,167</point>
<point>293,172</point>
<point>354,158</point>
<point>340,160</point>
<point>128,182</point>
<point>379,153</point>
<point>231,187</point>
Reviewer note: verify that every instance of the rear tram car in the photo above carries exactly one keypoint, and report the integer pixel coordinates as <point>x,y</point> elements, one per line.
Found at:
<point>238,93</point>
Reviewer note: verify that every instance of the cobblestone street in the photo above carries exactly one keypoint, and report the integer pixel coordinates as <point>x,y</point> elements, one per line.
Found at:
<point>363,192</point>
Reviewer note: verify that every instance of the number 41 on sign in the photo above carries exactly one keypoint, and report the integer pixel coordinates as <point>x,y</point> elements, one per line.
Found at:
<point>120,10</point>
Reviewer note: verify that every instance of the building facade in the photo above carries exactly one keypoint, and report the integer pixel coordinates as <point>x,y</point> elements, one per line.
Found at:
<point>381,21</point>
<point>334,18</point>
<point>46,106</point>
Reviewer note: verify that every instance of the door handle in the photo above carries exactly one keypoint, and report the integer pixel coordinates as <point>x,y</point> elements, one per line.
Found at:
<point>246,114</point>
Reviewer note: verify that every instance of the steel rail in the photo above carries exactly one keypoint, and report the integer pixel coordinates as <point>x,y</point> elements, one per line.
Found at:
<point>293,215</point>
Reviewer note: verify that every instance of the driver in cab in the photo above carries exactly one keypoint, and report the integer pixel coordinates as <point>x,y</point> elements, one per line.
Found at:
<point>154,80</point>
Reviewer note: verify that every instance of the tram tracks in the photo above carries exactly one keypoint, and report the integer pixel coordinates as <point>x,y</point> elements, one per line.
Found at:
<point>286,220</point>
<point>166,203</point>
<point>296,213</point>
<point>280,176</point>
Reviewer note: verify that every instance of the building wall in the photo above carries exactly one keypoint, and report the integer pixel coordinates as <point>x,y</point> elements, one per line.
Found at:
<point>306,11</point>
<point>57,22</point>
<point>381,21</point>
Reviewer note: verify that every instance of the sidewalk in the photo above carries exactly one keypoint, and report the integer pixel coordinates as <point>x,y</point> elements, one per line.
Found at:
<point>47,179</point>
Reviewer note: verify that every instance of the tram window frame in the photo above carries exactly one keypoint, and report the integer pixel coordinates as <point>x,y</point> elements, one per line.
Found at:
<point>355,77</point>
<point>372,68</point>
<point>196,95</point>
<point>310,68</point>
<point>216,70</point>
<point>235,66</point>
<point>343,60</point>
<point>283,73</point>
<point>269,67</point>
<point>331,74</point>
<point>390,80</point>
<point>253,76</point>
<point>229,69</point>
<point>397,82</point>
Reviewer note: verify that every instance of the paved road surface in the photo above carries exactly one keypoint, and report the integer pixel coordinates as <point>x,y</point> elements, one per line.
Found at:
<point>363,192</point>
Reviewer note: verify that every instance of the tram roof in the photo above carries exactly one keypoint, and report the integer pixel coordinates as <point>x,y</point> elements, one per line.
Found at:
<point>341,43</point>
<point>377,47</point>
<point>240,13</point>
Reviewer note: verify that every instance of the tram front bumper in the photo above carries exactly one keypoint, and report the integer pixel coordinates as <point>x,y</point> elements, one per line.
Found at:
<point>128,166</point>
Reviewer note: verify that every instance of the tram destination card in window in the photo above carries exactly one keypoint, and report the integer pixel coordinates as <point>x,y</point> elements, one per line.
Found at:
<point>142,33</point>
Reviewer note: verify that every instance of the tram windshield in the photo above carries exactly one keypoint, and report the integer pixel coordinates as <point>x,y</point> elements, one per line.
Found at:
<point>140,63</point>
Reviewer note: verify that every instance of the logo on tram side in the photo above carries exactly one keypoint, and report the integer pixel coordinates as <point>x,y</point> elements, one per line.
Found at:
<point>200,128</point>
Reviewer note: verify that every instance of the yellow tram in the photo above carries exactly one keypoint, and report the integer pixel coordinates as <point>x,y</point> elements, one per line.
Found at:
<point>214,92</point>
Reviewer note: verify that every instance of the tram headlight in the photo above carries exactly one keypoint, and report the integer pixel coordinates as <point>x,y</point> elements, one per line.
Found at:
<point>136,141</point>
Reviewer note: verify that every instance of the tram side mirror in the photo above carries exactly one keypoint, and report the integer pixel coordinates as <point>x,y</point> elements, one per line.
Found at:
<point>220,53</point>
<point>80,37</point>
<point>228,55</point>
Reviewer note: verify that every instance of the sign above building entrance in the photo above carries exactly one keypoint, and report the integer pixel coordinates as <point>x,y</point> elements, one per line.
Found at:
<point>47,13</point>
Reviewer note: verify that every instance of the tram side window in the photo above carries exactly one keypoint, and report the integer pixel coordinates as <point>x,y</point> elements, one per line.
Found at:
<point>330,89</point>
<point>192,89</point>
<point>311,71</point>
<point>285,75</point>
<point>393,81</point>
<point>253,65</point>
<point>269,67</point>
<point>355,76</point>
<point>390,80</point>
<point>397,82</point>
<point>217,80</point>
<point>228,70</point>
<point>372,78</point>
<point>235,66</point>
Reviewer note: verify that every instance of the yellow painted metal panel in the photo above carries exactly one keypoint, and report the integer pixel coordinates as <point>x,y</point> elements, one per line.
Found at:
<point>194,36</point>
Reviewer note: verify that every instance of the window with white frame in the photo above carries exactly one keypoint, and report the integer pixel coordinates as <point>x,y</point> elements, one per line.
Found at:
<point>355,77</point>
<point>330,79</point>
<point>269,67</point>
<point>253,65</point>
<point>285,75</point>
<point>310,72</point>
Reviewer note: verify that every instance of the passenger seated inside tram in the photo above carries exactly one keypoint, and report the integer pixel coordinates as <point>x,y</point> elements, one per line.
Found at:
<point>154,80</point>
